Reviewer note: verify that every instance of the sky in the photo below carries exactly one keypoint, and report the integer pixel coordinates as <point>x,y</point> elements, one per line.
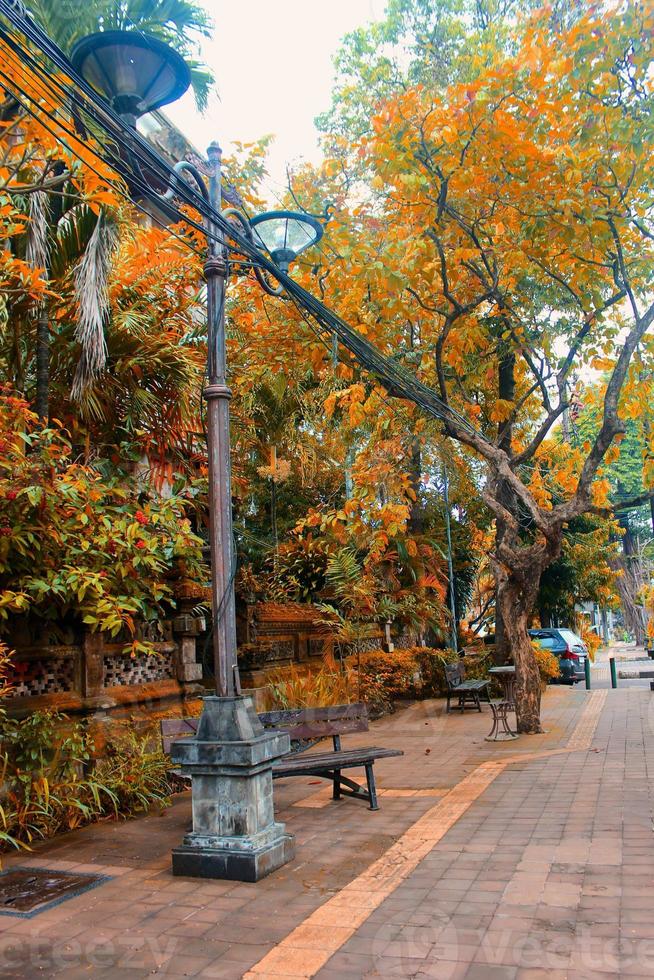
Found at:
<point>273,65</point>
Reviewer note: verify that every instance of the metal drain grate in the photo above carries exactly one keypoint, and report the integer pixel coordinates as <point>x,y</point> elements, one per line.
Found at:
<point>27,891</point>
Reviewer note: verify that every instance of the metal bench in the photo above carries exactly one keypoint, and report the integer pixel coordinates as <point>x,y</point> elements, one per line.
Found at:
<point>465,691</point>
<point>307,727</point>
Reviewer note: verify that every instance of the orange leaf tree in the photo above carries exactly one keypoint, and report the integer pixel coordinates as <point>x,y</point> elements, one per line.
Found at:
<point>509,221</point>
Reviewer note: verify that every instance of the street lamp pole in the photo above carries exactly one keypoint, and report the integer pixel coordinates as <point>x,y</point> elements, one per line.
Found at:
<point>235,834</point>
<point>450,566</point>
<point>218,395</point>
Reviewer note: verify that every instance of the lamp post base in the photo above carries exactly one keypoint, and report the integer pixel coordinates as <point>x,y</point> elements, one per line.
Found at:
<point>233,863</point>
<point>235,835</point>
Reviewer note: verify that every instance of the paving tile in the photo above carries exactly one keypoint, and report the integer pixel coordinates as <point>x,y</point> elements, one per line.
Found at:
<point>481,971</point>
<point>442,970</point>
<point>506,876</point>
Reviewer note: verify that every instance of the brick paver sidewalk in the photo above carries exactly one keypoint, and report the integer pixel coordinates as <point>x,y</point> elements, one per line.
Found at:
<point>524,859</point>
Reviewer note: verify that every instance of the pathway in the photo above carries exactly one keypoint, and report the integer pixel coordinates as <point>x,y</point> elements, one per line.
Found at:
<point>517,860</point>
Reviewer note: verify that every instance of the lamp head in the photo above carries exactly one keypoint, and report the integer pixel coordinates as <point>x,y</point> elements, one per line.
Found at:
<point>136,73</point>
<point>285,234</point>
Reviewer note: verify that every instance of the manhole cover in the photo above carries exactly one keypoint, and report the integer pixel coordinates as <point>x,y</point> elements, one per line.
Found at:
<point>28,891</point>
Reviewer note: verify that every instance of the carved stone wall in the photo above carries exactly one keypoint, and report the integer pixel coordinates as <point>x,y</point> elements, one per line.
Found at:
<point>94,674</point>
<point>119,671</point>
<point>44,675</point>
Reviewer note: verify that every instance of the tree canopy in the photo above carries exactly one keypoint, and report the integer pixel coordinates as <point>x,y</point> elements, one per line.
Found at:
<point>488,206</point>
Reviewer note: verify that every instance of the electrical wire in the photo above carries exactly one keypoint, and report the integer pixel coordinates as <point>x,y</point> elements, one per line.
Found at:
<point>151,161</point>
<point>19,94</point>
<point>136,180</point>
<point>397,381</point>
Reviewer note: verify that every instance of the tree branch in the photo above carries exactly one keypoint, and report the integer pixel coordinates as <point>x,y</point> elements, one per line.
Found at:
<point>541,434</point>
<point>624,275</point>
<point>45,185</point>
<point>612,424</point>
<point>633,502</point>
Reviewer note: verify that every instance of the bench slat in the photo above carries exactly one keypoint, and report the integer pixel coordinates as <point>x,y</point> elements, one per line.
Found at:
<point>299,723</point>
<point>321,729</point>
<point>308,723</point>
<point>332,712</point>
<point>456,679</point>
<point>311,762</point>
<point>179,726</point>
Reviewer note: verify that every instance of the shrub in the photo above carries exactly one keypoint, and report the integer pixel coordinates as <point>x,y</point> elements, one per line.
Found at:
<point>377,678</point>
<point>44,789</point>
<point>397,672</point>
<point>50,783</point>
<point>591,638</point>
<point>383,677</point>
<point>80,540</point>
<point>431,664</point>
<point>5,665</point>
<point>477,664</point>
<point>293,688</point>
<point>136,772</point>
<point>548,664</point>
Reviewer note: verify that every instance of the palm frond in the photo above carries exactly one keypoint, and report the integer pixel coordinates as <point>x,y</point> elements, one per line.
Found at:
<point>74,230</point>
<point>344,574</point>
<point>91,278</point>
<point>37,247</point>
<point>180,23</point>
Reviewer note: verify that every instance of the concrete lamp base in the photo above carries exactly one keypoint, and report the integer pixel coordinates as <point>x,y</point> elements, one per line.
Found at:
<point>233,864</point>
<point>230,759</point>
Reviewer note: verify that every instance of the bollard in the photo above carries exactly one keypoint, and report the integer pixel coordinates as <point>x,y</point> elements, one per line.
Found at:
<point>587,672</point>
<point>614,676</point>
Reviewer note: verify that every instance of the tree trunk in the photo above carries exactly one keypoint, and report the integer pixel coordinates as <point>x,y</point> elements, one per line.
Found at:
<point>417,514</point>
<point>43,364</point>
<point>630,581</point>
<point>516,599</point>
<point>502,642</point>
<point>504,495</point>
<point>273,513</point>
<point>350,457</point>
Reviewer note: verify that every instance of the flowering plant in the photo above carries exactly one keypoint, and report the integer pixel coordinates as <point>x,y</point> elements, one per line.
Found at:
<point>76,542</point>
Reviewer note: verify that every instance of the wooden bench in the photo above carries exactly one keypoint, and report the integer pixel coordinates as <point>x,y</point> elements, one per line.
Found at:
<point>307,727</point>
<point>465,691</point>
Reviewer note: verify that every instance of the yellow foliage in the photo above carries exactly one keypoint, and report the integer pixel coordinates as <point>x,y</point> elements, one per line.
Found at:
<point>548,664</point>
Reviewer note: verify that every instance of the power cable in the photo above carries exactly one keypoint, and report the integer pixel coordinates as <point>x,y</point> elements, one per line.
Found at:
<point>396,381</point>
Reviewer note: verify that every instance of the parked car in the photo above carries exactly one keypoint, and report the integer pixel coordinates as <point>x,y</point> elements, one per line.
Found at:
<point>568,647</point>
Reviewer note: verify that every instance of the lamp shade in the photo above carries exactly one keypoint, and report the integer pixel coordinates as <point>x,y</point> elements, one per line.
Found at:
<point>284,234</point>
<point>135,72</point>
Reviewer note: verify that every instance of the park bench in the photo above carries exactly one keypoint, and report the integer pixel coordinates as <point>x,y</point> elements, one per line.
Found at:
<point>307,727</point>
<point>465,691</point>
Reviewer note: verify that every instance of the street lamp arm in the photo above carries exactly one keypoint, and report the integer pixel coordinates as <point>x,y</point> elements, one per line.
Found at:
<point>244,221</point>
<point>265,285</point>
<point>186,167</point>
